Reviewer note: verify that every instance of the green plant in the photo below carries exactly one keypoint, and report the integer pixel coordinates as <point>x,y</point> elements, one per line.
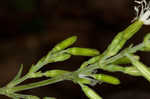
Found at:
<point>110,60</point>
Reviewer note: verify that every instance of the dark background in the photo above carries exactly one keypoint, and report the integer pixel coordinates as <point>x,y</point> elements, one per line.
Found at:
<point>30,28</point>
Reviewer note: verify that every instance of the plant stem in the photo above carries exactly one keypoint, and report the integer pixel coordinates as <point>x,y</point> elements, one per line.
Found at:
<point>65,76</point>
<point>73,75</point>
<point>140,66</point>
<point>85,70</point>
<point>122,53</point>
<point>27,76</point>
<point>14,83</point>
<point>41,83</point>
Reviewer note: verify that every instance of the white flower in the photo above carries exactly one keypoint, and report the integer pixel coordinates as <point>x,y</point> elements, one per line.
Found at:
<point>142,11</point>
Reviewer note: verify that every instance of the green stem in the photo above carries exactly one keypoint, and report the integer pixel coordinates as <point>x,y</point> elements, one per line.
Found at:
<point>130,70</point>
<point>49,58</point>
<point>140,66</point>
<point>27,76</point>
<point>113,68</point>
<point>14,83</point>
<point>87,70</point>
<point>3,91</point>
<point>41,83</point>
<point>54,80</point>
<point>122,53</point>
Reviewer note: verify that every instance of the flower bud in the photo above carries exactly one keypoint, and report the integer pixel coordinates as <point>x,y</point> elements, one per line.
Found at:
<point>106,78</point>
<point>61,57</point>
<point>64,44</point>
<point>32,97</point>
<point>85,81</point>
<point>132,71</point>
<point>83,51</point>
<point>49,98</point>
<point>90,61</point>
<point>36,75</point>
<point>91,94</point>
<point>53,73</point>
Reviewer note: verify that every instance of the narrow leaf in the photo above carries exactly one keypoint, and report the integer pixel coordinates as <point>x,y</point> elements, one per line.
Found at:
<point>16,77</point>
<point>19,73</point>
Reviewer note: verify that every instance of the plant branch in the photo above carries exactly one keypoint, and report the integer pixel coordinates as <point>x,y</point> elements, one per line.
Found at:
<point>41,83</point>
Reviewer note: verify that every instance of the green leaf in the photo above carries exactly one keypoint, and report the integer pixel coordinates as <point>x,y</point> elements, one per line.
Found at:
<point>19,73</point>
<point>22,96</point>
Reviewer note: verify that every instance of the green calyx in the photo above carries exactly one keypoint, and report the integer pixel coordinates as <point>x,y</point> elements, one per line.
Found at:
<point>106,79</point>
<point>54,73</point>
<point>91,94</point>
<point>77,51</point>
<point>61,57</point>
<point>64,44</point>
<point>121,38</point>
<point>49,98</point>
